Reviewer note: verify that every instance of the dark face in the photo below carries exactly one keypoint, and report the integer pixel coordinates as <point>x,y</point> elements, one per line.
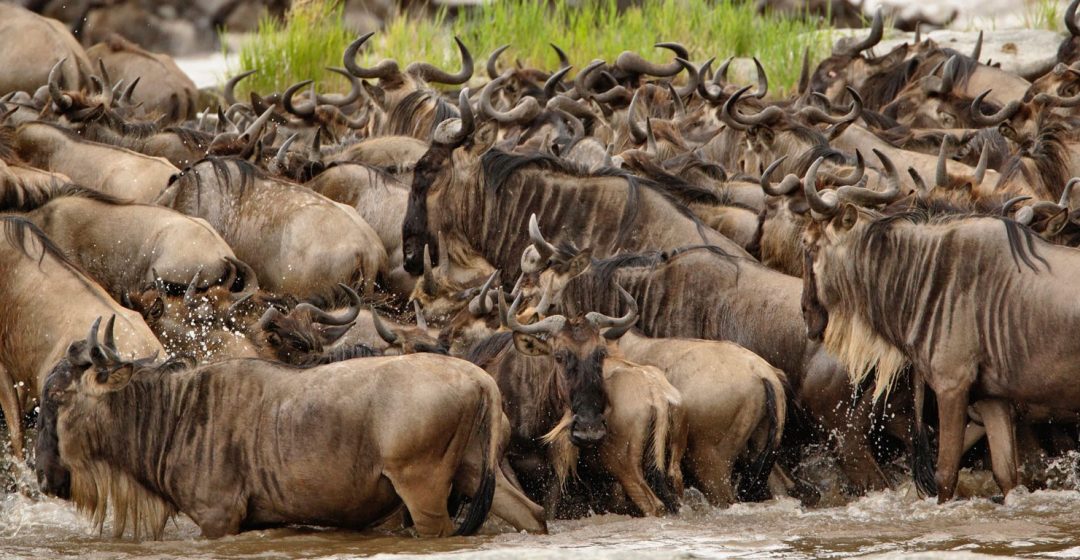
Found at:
<point>414,230</point>
<point>579,353</point>
<point>53,477</point>
<point>814,314</point>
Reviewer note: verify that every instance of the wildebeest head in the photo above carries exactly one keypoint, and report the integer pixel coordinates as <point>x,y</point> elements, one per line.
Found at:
<point>90,365</point>
<point>407,339</point>
<point>305,332</point>
<point>183,318</point>
<point>453,159</point>
<point>578,347</point>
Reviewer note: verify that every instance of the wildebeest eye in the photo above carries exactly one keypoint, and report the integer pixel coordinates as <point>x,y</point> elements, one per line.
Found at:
<point>299,344</point>
<point>157,309</point>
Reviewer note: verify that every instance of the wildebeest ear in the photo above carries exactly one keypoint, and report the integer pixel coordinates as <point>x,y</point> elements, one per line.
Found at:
<point>376,94</point>
<point>848,217</point>
<point>484,138</point>
<point>530,345</point>
<point>580,263</point>
<point>157,308</point>
<point>114,380</point>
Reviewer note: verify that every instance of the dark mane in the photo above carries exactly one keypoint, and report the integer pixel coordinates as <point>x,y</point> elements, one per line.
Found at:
<point>604,270</point>
<point>403,117</point>
<point>882,88</point>
<point>16,231</point>
<point>1022,241</point>
<point>191,137</point>
<point>7,141</point>
<point>1049,154</point>
<point>484,351</point>
<point>499,166</point>
<point>246,173</point>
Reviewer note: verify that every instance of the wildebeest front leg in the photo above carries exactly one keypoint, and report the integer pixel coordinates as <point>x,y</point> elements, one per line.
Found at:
<point>997,417</point>
<point>9,402</point>
<point>624,461</point>
<point>952,417</point>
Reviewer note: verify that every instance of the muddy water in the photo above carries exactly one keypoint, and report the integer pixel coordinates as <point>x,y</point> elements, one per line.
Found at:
<point>893,524</point>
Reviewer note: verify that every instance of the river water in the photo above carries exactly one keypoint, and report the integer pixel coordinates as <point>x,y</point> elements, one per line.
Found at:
<point>891,524</point>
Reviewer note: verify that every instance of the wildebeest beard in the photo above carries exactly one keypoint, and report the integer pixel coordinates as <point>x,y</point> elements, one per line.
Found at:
<point>53,477</point>
<point>414,230</point>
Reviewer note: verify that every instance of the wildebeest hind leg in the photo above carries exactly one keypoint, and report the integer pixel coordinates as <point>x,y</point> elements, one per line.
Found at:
<point>9,402</point>
<point>425,488</point>
<point>997,416</point>
<point>626,466</point>
<point>712,471</point>
<point>512,506</point>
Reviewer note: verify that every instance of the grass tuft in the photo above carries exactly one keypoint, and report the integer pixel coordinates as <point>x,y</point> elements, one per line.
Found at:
<point>586,29</point>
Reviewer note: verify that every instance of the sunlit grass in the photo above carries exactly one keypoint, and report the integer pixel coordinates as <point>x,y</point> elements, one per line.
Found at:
<point>1044,14</point>
<point>588,29</point>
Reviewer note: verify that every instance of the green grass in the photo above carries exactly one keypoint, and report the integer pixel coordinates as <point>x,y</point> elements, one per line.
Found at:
<point>1044,14</point>
<point>285,52</point>
<point>586,30</point>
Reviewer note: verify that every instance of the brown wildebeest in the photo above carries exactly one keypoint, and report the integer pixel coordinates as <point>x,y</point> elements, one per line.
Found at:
<point>29,47</point>
<point>166,91</point>
<point>115,171</point>
<point>956,296</point>
<point>235,446</point>
<point>46,303</point>
<point>298,241</point>
<point>567,399</point>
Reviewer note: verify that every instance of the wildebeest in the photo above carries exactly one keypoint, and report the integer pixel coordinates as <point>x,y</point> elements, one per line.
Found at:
<point>121,173</point>
<point>480,197</point>
<point>26,62</point>
<point>298,242</point>
<point>126,246</point>
<point>244,444</point>
<point>46,303</point>
<point>166,91</point>
<point>957,297</point>
<point>567,399</point>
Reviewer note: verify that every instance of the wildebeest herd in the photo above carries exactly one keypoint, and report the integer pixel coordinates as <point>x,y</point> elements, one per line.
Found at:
<point>618,285</point>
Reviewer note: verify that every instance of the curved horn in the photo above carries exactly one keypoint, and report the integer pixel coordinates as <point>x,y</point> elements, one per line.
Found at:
<point>445,135</point>
<point>636,131</point>
<point>825,203</point>
<point>804,72</point>
<point>601,321</point>
<point>348,316</point>
<point>980,167</point>
<point>492,61</point>
<point>787,185</point>
<point>549,325</point>
<point>430,73</point>
<point>721,73</point>
<point>854,112</point>
<point>525,111</point>
<point>251,280</point>
<point>768,115</point>
<point>869,197</point>
<point>633,63</point>
<point>854,177</point>
<point>384,333</point>
<point>545,249</point>
<point>279,159</point>
<point>421,322</point>
<point>650,138</point>
<point>552,83</point>
<point>480,306</point>
<point>110,335</point>
<point>1006,112</point>
<point>126,96</point>
<point>680,107</point>
<point>62,100</point>
<point>762,81</point>
<point>564,61</point>
<point>976,52</point>
<point>383,70</point>
<point>342,100</point>
<point>1007,208</point>
<point>704,86</point>
<point>230,86</point>
<point>304,111</point>
<point>941,175</point>
<point>920,183</point>
<point>877,29</point>
<point>692,80</point>
<point>192,289</point>
<point>581,81</point>
<point>429,276</point>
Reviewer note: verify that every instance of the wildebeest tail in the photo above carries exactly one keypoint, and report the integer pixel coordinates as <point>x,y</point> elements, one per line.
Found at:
<point>754,486</point>
<point>487,429</point>
<point>663,471</point>
<point>922,456</point>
